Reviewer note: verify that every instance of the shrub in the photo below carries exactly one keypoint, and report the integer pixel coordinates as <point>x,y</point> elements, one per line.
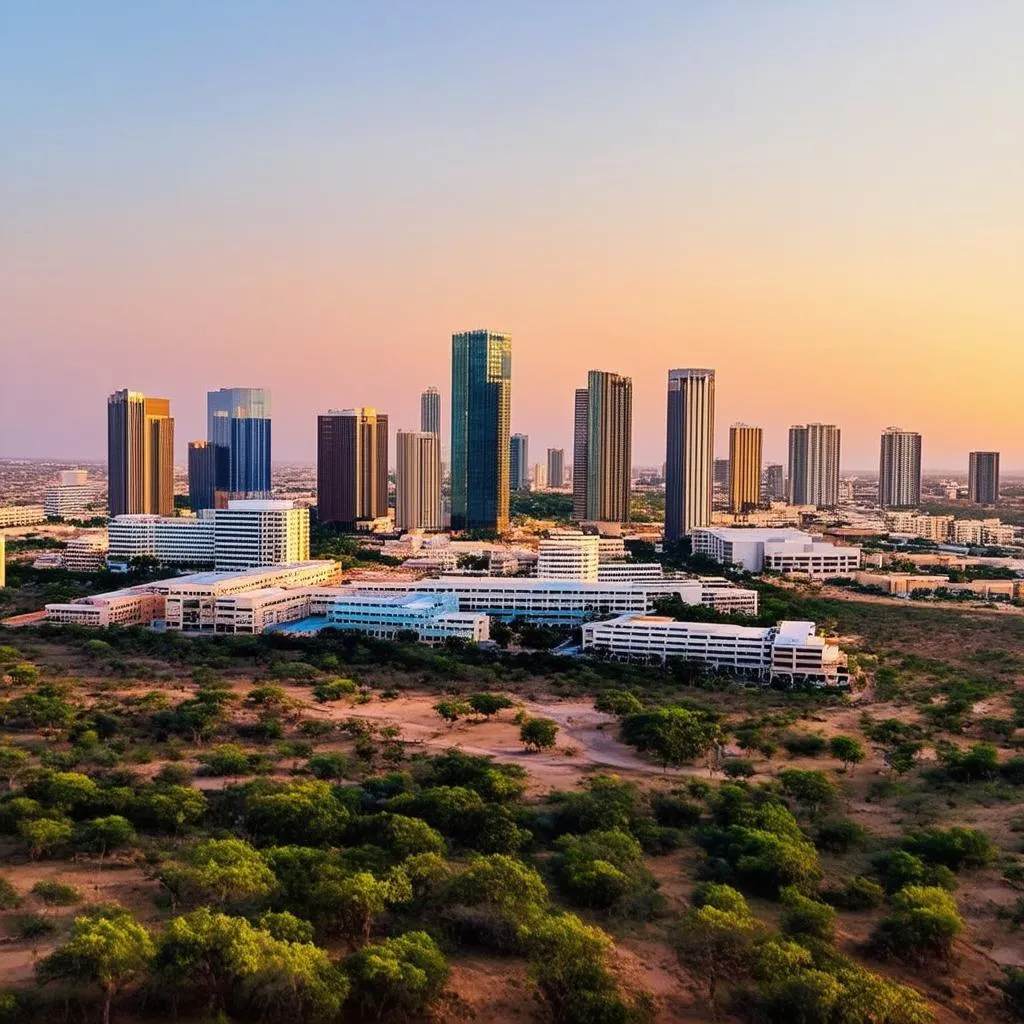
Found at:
<point>803,916</point>
<point>602,869</point>
<point>899,868</point>
<point>811,788</point>
<point>286,927</point>
<point>329,766</point>
<point>32,926</point>
<point>675,811</point>
<point>57,894</point>
<point>538,733</point>
<point>804,744</point>
<point>839,835</point>
<point>488,704</point>
<point>739,768</point>
<point>715,943</point>
<point>846,749</point>
<point>398,978</point>
<point>924,922</point>
<point>859,893</point>
<point>10,898</point>
<point>955,848</point>
<point>618,702</point>
<point>672,735</point>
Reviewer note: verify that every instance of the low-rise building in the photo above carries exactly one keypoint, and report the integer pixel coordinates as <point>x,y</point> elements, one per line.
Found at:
<point>73,496</point>
<point>903,584</point>
<point>87,553</point>
<point>12,516</point>
<point>783,550</point>
<point>129,607</point>
<point>254,611</point>
<point>982,532</point>
<point>432,617</point>
<point>812,558</point>
<point>789,652</point>
<point>569,556</point>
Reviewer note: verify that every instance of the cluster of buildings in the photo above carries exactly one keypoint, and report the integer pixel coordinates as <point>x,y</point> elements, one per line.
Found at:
<point>784,550</point>
<point>949,529</point>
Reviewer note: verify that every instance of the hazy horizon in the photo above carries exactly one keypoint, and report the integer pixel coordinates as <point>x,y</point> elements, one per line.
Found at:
<point>822,202</point>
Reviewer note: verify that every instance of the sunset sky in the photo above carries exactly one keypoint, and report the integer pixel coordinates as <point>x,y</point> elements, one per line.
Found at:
<point>822,200</point>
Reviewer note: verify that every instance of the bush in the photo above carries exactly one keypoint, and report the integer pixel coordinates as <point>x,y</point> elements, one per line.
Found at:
<point>538,733</point>
<point>899,868</point>
<point>812,788</point>
<point>924,922</point>
<point>488,704</point>
<point>839,835</point>
<point>803,916</point>
<point>286,927</point>
<point>739,768</point>
<point>602,869</point>
<point>329,766</point>
<point>675,811</point>
<point>10,898</point>
<point>955,848</point>
<point>846,749</point>
<point>57,894</point>
<point>859,893</point>
<point>398,978</point>
<point>618,702</point>
<point>804,744</point>
<point>32,926</point>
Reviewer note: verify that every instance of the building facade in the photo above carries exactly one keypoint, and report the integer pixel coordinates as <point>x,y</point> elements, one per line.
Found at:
<point>744,467</point>
<point>72,497</point>
<point>556,467</point>
<point>140,454</point>
<point>519,462</point>
<point>580,426</point>
<point>352,466</point>
<point>238,422</point>
<point>609,447</point>
<point>899,469</point>
<point>783,550</point>
<point>814,451</point>
<point>207,464</point>
<point>774,482</point>
<point>983,478</point>
<point>418,481</point>
<point>481,414</point>
<point>689,451</point>
<point>252,533</point>
<point>430,411</point>
<point>569,557</point>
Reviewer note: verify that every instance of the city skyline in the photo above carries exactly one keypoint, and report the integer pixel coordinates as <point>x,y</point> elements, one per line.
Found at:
<point>857,262</point>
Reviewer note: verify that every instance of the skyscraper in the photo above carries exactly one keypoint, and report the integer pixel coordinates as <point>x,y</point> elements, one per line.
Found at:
<point>744,467</point>
<point>899,469</point>
<point>352,466</point>
<point>203,475</point>
<point>689,451</point>
<point>238,420</point>
<point>775,482</point>
<point>519,462</point>
<point>603,441</point>
<point>430,411</point>
<point>140,454</point>
<point>418,480</point>
<point>814,452</point>
<point>481,411</point>
<point>556,467</point>
<point>720,475</point>
<point>580,425</point>
<point>983,478</point>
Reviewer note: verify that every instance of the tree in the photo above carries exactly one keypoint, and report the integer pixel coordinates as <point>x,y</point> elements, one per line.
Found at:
<point>106,951</point>
<point>602,869</point>
<point>847,749</point>
<point>674,735</point>
<point>349,904</point>
<point>813,788</point>
<point>924,921</point>
<point>452,710</point>
<point>803,916</point>
<point>227,759</point>
<point>43,835</point>
<point>955,848</point>
<point>286,927</point>
<point>618,702</point>
<point>397,978</point>
<point>538,733</point>
<point>488,704</point>
<point>221,871</point>
<point>715,944</point>
<point>169,808</point>
<point>109,833</point>
<point>307,809</point>
<point>12,762</point>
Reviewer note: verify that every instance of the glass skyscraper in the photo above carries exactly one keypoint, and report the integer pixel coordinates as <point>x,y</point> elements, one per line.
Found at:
<point>481,410</point>
<point>238,423</point>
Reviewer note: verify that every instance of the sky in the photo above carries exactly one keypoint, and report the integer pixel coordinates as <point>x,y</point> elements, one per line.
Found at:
<point>822,200</point>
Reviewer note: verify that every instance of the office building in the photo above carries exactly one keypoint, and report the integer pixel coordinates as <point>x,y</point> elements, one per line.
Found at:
<point>169,540</point>
<point>433,618</point>
<point>720,475</point>
<point>21,515</point>
<point>238,422</point>
<point>253,533</point>
<point>352,466</point>
<point>569,557</point>
<point>814,451</point>
<point>204,473</point>
<point>783,550</point>
<point>556,467</point>
<point>519,462</point>
<point>603,440</point>
<point>899,469</point>
<point>140,454</point>
<point>87,553</point>
<point>744,467</point>
<point>481,412</point>
<point>789,652</point>
<point>689,451</point>
<point>72,497</point>
<point>774,482</point>
<point>983,478</point>
<point>580,426</point>
<point>430,411</point>
<point>418,481</point>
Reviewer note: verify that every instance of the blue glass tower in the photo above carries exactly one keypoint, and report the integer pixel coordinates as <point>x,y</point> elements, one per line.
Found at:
<point>481,410</point>
<point>238,423</point>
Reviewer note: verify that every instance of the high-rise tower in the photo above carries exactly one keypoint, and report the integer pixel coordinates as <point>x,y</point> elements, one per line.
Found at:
<point>983,478</point>
<point>140,454</point>
<point>689,451</point>
<point>352,466</point>
<point>899,469</point>
<point>814,452</point>
<point>519,462</point>
<point>603,446</point>
<point>556,467</point>
<point>238,421</point>
<point>430,411</point>
<point>744,467</point>
<point>418,480</point>
<point>580,425</point>
<point>481,412</point>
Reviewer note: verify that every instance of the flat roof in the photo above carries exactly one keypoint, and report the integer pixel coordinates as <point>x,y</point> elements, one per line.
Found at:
<point>758,534</point>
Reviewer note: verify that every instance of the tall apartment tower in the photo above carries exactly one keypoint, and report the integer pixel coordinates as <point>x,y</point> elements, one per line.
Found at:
<point>603,442</point>
<point>689,451</point>
<point>775,482</point>
<point>238,421</point>
<point>983,478</point>
<point>418,480</point>
<point>140,454</point>
<point>352,466</point>
<point>556,467</point>
<point>481,411</point>
<point>720,475</point>
<point>519,462</point>
<point>814,451</point>
<point>744,467</point>
<point>580,425</point>
<point>430,411</point>
<point>899,469</point>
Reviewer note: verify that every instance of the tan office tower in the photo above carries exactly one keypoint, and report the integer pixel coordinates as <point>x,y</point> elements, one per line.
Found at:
<point>418,480</point>
<point>140,454</point>
<point>603,447</point>
<point>814,451</point>
<point>352,466</point>
<point>744,467</point>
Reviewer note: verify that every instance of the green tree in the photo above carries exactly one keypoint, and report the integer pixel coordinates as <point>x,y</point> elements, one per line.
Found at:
<point>812,788</point>
<point>110,833</point>
<point>674,735</point>
<point>452,710</point>
<point>220,871</point>
<point>955,848</point>
<point>13,761</point>
<point>348,905</point>
<point>286,927</point>
<point>847,749</point>
<point>488,704</point>
<point>44,835</point>
<point>538,733</point>
<point>398,978</point>
<point>716,944</point>
<point>803,916</point>
<point>307,809</point>
<point>924,921</point>
<point>106,951</point>
<point>618,702</point>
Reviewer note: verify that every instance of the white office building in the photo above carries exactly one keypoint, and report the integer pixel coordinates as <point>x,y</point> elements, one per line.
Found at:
<point>73,496</point>
<point>630,572</point>
<point>789,652</point>
<point>781,550</point>
<point>87,553</point>
<point>432,617</point>
<point>21,515</point>
<point>170,540</point>
<point>569,556</point>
